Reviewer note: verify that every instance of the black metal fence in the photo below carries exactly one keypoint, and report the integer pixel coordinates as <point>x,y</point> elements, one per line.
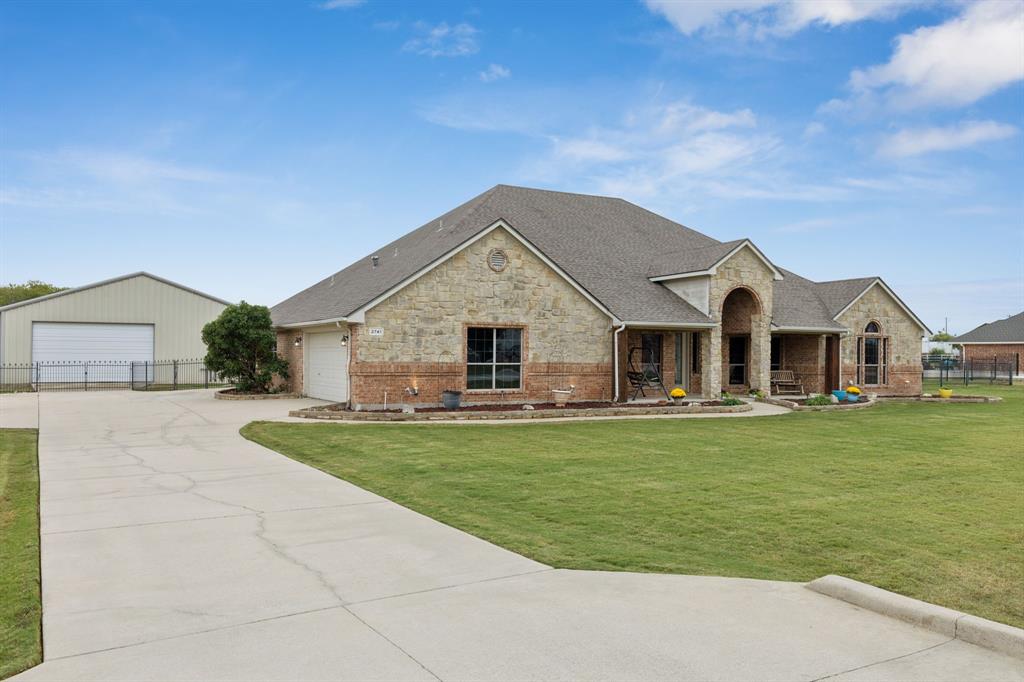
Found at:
<point>163,375</point>
<point>952,369</point>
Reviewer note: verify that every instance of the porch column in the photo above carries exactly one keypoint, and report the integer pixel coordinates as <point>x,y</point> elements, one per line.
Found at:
<point>760,353</point>
<point>711,363</point>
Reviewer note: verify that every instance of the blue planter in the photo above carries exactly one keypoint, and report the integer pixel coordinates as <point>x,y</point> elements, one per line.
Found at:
<point>451,399</point>
<point>852,397</point>
<point>840,395</point>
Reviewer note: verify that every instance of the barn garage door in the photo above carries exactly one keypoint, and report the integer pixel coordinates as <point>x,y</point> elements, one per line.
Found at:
<point>64,342</point>
<point>326,367</point>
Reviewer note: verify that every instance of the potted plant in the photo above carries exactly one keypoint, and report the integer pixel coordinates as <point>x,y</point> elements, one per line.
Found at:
<point>451,399</point>
<point>852,394</point>
<point>561,396</point>
<point>945,392</point>
<point>678,395</point>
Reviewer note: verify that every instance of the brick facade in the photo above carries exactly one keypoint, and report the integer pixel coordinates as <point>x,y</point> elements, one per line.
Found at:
<point>1003,352</point>
<point>904,334</point>
<point>804,355</point>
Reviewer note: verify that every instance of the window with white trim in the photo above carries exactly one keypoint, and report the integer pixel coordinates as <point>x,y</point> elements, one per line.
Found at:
<point>494,358</point>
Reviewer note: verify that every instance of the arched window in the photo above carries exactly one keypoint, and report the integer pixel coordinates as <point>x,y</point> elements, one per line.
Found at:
<point>872,356</point>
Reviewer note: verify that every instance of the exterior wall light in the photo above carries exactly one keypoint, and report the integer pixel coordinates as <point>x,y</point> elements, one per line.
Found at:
<point>344,339</point>
<point>298,342</point>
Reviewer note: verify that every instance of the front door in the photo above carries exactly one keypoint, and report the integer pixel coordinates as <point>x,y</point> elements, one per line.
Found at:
<point>737,360</point>
<point>832,362</point>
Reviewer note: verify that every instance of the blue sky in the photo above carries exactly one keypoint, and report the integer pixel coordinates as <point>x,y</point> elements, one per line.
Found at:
<point>249,149</point>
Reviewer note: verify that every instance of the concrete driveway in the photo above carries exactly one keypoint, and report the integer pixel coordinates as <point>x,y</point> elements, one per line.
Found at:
<point>174,549</point>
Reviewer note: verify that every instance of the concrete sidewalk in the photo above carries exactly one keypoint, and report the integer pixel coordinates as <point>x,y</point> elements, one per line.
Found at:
<point>174,549</point>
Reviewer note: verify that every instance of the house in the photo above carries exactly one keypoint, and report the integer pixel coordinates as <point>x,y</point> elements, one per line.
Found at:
<point>1002,340</point>
<point>138,317</point>
<point>520,291</point>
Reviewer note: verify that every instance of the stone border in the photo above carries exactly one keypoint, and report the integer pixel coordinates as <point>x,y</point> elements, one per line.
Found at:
<point>470,415</point>
<point>928,398</point>
<point>796,407</point>
<point>954,624</point>
<point>226,394</point>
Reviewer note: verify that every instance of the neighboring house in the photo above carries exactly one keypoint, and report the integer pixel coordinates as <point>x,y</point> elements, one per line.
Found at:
<point>138,317</point>
<point>521,291</point>
<point>1002,340</point>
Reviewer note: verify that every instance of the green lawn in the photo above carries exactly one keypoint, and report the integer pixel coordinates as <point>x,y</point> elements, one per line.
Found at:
<point>20,609</point>
<point>923,499</point>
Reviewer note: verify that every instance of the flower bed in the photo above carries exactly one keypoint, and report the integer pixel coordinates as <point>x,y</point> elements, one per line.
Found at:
<point>799,404</point>
<point>540,411</point>
<point>233,394</point>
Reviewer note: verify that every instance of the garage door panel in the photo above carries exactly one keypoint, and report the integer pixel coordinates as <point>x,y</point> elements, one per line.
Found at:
<point>326,366</point>
<point>103,346</point>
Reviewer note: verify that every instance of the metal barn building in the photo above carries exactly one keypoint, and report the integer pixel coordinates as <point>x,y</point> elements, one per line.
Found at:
<point>138,318</point>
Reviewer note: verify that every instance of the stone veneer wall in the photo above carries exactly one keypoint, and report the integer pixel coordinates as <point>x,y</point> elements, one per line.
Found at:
<point>904,375</point>
<point>566,339</point>
<point>287,350</point>
<point>747,270</point>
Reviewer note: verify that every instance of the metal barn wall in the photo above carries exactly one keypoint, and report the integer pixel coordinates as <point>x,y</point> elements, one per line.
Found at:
<point>178,314</point>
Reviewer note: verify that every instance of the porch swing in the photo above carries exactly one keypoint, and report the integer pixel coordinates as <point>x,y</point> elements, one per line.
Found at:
<point>644,373</point>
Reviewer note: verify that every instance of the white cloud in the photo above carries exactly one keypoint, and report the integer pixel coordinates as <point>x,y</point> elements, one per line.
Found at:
<point>813,129</point>
<point>495,72</point>
<point>128,168</point>
<point>443,40</point>
<point>340,4</point>
<point>915,141</point>
<point>952,64</point>
<point>764,18</point>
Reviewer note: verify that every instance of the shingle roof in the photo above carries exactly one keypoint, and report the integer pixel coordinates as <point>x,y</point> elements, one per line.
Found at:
<point>838,293</point>
<point>1008,330</point>
<point>797,303</point>
<point>608,246</point>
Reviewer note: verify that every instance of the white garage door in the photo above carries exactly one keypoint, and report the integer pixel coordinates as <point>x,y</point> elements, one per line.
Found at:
<point>97,344</point>
<point>326,367</point>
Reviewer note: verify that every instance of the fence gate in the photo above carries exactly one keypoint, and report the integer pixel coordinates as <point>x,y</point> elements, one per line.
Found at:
<point>163,375</point>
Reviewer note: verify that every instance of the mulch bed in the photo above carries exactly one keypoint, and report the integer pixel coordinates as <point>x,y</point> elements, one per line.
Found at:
<point>499,407</point>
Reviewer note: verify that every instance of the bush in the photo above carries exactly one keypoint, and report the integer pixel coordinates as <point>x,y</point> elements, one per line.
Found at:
<point>240,345</point>
<point>818,401</point>
<point>730,401</point>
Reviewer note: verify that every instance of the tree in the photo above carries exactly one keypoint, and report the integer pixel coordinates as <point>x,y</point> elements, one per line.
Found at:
<point>15,293</point>
<point>942,336</point>
<point>240,345</point>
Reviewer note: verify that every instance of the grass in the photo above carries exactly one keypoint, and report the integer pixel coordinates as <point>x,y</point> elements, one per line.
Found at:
<point>20,607</point>
<point>920,498</point>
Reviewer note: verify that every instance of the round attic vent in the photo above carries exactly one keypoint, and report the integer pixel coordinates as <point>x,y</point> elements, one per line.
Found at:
<point>497,260</point>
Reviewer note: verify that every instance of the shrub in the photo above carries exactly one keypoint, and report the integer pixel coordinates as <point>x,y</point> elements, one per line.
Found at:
<point>730,401</point>
<point>818,401</point>
<point>240,345</point>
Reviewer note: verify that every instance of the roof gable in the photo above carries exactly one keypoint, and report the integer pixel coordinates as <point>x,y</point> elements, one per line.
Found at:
<point>105,282</point>
<point>878,282</point>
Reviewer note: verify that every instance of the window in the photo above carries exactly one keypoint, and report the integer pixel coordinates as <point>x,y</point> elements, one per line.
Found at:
<point>679,359</point>
<point>695,352</point>
<point>872,356</point>
<point>650,345</point>
<point>737,360</point>
<point>494,358</point>
<point>776,353</point>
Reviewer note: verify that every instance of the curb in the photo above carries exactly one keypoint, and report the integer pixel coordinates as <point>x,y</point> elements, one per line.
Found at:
<point>953,624</point>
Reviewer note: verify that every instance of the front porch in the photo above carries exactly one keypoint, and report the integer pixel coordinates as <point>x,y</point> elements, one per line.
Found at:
<point>737,356</point>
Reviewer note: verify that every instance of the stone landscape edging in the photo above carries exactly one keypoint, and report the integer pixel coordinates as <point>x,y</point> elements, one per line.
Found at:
<point>226,395</point>
<point>368,416</point>
<point>937,399</point>
<point>796,407</point>
<point>953,624</point>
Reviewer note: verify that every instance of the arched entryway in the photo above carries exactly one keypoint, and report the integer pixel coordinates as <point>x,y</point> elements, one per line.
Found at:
<point>745,342</point>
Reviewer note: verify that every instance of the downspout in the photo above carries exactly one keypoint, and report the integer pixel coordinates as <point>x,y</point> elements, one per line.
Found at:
<point>615,357</point>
